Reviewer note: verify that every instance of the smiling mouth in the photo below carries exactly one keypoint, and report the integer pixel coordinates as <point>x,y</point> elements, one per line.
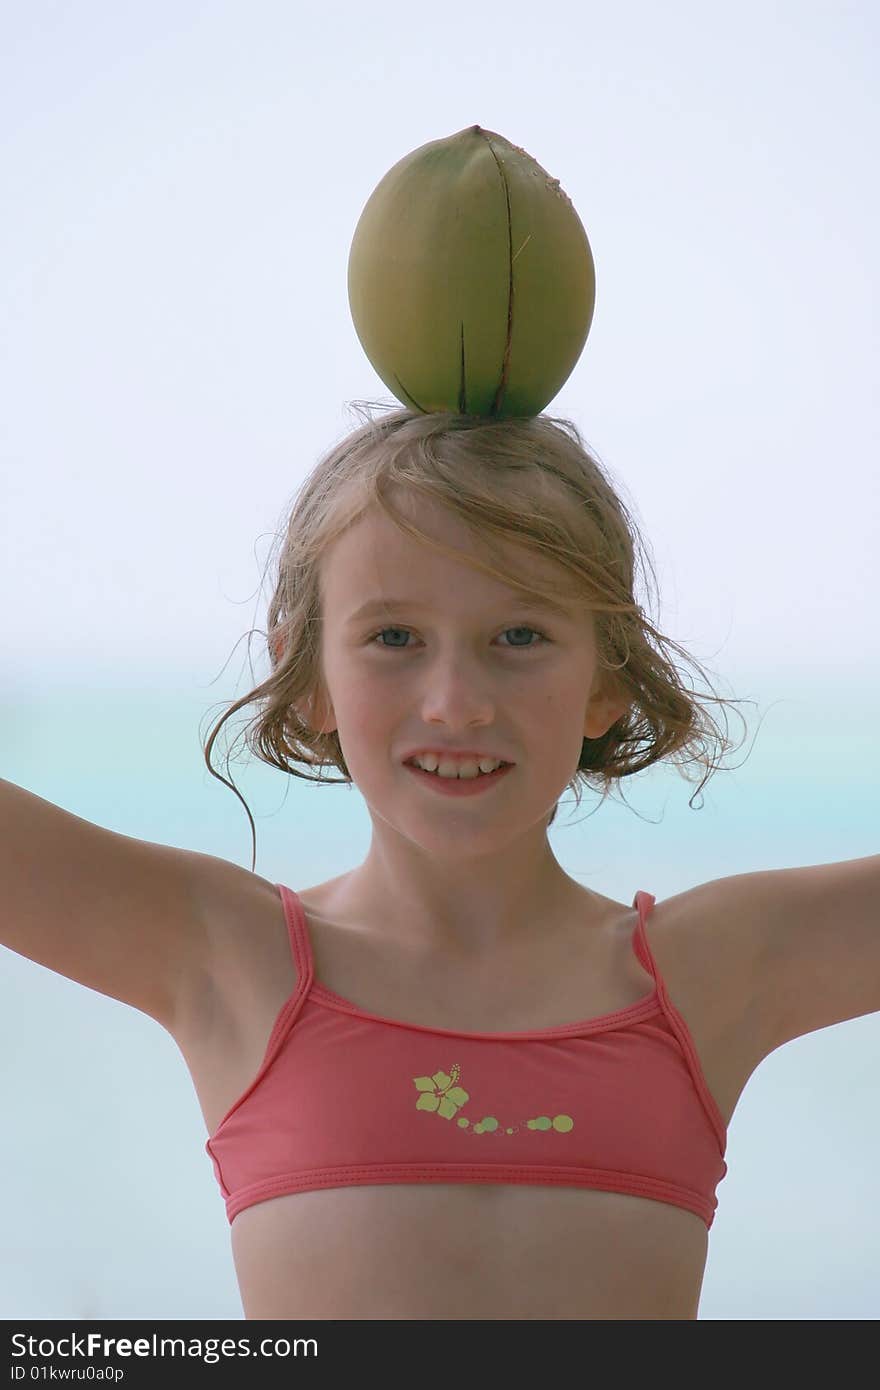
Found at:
<point>461,785</point>
<point>457,776</point>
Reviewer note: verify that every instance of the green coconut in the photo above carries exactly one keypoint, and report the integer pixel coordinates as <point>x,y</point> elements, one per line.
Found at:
<point>470,279</point>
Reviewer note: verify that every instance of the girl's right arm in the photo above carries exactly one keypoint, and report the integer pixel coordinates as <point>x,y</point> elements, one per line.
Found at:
<point>116,914</point>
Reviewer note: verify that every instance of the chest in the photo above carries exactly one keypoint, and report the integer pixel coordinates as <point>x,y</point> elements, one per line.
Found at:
<point>224,1047</point>
<point>460,1250</point>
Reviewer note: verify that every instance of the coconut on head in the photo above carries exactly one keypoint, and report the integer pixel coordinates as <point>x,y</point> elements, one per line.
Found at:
<point>471,281</point>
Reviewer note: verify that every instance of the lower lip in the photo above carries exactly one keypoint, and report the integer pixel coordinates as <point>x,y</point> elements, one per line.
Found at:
<point>459,786</point>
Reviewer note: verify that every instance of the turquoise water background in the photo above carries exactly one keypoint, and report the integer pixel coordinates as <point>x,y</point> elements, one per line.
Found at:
<point>112,1209</point>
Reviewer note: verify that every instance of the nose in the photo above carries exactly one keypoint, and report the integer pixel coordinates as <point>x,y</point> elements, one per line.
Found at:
<point>457,696</point>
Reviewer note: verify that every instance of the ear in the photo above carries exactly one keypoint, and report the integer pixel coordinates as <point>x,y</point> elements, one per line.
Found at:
<point>317,712</point>
<point>602,712</point>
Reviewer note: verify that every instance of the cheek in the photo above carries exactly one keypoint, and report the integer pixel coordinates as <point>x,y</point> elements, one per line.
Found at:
<point>368,705</point>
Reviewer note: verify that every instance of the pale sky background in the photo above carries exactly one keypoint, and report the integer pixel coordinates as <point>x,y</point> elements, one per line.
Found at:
<point>181,183</point>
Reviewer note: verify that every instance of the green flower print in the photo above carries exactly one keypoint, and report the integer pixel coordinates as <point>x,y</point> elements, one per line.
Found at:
<point>440,1093</point>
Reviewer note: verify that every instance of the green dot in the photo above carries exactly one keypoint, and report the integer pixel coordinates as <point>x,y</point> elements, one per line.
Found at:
<point>543,1122</point>
<point>478,1128</point>
<point>462,1122</point>
<point>532,1124</point>
<point>510,1131</point>
<point>563,1123</point>
<point>489,1122</point>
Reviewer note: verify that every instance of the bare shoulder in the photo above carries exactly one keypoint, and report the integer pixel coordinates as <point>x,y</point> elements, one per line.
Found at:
<point>800,946</point>
<point>703,944</point>
<point>242,925</point>
<point>776,953</point>
<point>123,916</point>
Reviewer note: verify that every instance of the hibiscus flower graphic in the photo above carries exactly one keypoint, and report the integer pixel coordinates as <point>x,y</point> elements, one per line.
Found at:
<point>440,1092</point>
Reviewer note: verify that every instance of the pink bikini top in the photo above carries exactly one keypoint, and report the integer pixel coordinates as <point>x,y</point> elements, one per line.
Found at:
<point>345,1097</point>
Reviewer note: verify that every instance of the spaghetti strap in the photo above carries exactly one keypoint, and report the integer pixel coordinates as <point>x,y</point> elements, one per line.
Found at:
<point>301,951</point>
<point>645,903</point>
<point>298,934</point>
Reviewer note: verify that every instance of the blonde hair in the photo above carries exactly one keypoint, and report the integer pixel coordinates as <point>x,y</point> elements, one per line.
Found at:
<point>530,480</point>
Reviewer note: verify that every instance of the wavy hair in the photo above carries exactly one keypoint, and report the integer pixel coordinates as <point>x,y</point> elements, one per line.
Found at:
<point>530,480</point>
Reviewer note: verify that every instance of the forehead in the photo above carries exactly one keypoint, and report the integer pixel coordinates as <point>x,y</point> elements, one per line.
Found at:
<point>374,560</point>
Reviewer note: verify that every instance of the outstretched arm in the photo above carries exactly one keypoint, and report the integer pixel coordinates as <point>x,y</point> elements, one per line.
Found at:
<point>816,932</point>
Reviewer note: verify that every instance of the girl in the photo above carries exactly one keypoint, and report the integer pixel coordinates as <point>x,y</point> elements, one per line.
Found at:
<point>453,1082</point>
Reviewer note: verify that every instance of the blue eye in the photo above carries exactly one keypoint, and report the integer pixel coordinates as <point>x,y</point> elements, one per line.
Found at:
<point>515,647</point>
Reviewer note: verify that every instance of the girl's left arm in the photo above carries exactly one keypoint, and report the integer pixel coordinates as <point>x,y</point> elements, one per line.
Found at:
<point>812,938</point>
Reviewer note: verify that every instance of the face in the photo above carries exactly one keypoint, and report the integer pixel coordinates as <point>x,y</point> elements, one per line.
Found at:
<point>463,662</point>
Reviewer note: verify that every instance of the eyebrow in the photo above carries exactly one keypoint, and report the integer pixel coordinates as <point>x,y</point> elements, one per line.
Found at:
<point>536,604</point>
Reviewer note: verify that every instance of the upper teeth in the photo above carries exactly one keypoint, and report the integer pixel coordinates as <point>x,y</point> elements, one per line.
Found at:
<point>430,763</point>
